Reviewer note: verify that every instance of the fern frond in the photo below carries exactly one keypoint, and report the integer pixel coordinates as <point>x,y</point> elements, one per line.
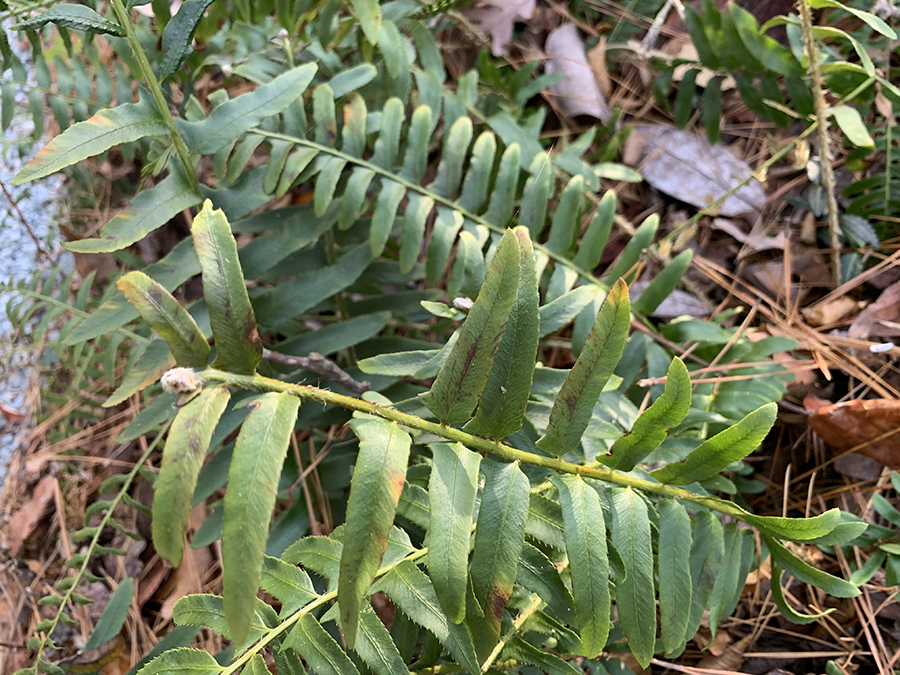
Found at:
<point>67,586</point>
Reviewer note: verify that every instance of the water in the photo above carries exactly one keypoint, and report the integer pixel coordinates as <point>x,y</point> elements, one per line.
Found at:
<point>38,205</point>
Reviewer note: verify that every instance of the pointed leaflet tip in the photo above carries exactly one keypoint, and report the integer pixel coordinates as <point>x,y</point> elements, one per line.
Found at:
<point>238,347</point>
<point>650,429</point>
<point>461,381</point>
<point>505,396</point>
<point>575,402</point>
<point>166,316</point>
<point>725,448</point>
<point>107,128</point>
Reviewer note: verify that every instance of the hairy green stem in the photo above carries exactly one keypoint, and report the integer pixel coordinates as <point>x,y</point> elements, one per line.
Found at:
<point>536,604</point>
<point>821,110</point>
<point>181,148</point>
<point>306,609</point>
<point>306,392</point>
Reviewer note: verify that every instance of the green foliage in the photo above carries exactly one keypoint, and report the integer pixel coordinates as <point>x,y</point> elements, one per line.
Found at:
<point>723,449</point>
<point>585,530</point>
<point>675,583</point>
<point>461,381</point>
<point>168,318</point>
<point>374,493</point>
<point>453,481</point>
<point>572,409</point>
<point>255,466</point>
<point>651,427</point>
<point>182,460</point>
<point>178,35</point>
<point>231,317</point>
<point>113,618</point>
<point>78,17</point>
<point>474,422</point>
<point>468,622</point>
<point>147,212</point>
<point>106,129</point>
<point>772,80</point>
<point>730,41</point>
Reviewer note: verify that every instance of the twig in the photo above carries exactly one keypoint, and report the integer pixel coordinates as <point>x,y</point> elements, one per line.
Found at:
<point>37,244</point>
<point>660,20</point>
<point>691,670</point>
<point>526,614</point>
<point>321,366</point>
<point>821,108</point>
<point>653,381</point>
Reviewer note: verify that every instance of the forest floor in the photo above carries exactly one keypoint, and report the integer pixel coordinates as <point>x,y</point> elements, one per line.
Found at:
<point>835,442</point>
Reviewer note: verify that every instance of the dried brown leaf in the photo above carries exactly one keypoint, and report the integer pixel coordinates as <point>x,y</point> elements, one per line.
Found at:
<point>757,240</point>
<point>190,576</point>
<point>830,312</point>
<point>881,317</point>
<point>26,519</point>
<point>11,414</point>
<point>731,657</point>
<point>597,60</point>
<point>578,94</point>
<point>685,166</point>
<point>871,425</point>
<point>496,18</point>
